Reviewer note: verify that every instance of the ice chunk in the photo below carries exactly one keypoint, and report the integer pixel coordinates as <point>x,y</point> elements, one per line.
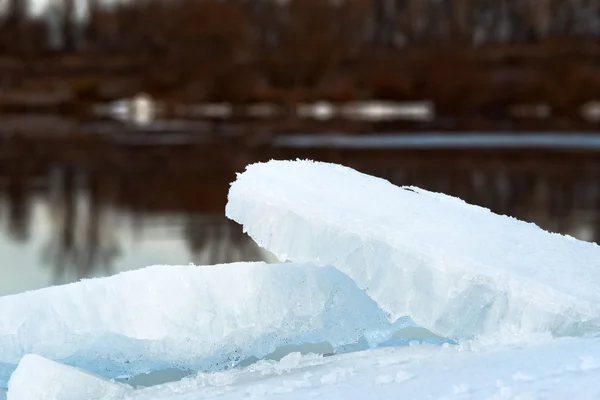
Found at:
<point>37,378</point>
<point>186,317</point>
<point>555,369</point>
<point>456,269</point>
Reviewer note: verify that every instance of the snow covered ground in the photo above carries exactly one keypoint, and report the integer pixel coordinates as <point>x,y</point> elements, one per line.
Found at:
<point>558,369</point>
<point>520,306</point>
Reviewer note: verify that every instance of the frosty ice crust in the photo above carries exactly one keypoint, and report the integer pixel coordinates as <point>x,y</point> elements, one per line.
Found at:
<point>456,269</point>
<point>188,317</point>
<point>37,378</point>
<point>566,368</point>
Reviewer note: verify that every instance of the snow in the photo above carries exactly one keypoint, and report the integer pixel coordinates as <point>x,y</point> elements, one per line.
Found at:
<point>140,110</point>
<point>377,110</point>
<point>371,110</point>
<point>37,378</point>
<point>456,269</point>
<point>188,317</point>
<point>321,110</point>
<point>549,369</point>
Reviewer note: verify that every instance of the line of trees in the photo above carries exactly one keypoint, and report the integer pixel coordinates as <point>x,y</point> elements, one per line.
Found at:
<point>244,50</point>
<point>149,25</point>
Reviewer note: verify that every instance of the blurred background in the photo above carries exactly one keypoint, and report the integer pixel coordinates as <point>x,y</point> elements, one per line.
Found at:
<point>122,122</point>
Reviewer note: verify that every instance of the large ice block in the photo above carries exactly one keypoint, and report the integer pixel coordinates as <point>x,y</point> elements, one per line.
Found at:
<point>37,378</point>
<point>456,269</point>
<point>186,317</point>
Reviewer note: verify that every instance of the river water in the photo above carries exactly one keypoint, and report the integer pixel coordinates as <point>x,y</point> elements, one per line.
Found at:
<point>63,222</point>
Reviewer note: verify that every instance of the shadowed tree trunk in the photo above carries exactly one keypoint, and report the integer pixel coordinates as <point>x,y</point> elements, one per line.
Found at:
<point>11,29</point>
<point>68,25</point>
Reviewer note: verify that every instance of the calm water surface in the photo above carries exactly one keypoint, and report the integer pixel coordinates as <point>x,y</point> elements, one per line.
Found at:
<point>62,222</point>
<point>53,233</point>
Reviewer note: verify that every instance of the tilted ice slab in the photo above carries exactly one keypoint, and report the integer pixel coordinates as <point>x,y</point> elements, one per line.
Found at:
<point>186,317</point>
<point>37,378</point>
<point>456,269</point>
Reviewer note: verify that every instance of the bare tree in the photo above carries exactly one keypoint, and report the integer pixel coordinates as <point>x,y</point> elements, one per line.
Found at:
<point>92,27</point>
<point>68,24</point>
<point>383,24</point>
<point>16,11</point>
<point>11,28</point>
<point>63,25</point>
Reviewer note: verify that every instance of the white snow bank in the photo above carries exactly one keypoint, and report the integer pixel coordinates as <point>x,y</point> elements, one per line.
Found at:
<point>187,317</point>
<point>456,269</point>
<point>37,378</point>
<point>567,368</point>
<point>555,369</point>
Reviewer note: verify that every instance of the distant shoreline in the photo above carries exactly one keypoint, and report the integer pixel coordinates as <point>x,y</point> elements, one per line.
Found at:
<point>552,84</point>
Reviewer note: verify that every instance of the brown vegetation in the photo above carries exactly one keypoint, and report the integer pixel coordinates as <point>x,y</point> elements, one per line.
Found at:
<point>470,57</point>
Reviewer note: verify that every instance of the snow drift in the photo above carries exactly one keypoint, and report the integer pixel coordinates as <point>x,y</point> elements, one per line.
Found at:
<point>37,378</point>
<point>555,369</point>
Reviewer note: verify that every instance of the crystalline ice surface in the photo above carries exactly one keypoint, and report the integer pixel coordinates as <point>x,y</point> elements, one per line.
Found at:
<point>548,369</point>
<point>37,378</point>
<point>565,368</point>
<point>456,269</point>
<point>187,317</point>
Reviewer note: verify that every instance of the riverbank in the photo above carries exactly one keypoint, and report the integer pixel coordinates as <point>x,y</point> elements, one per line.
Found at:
<point>547,85</point>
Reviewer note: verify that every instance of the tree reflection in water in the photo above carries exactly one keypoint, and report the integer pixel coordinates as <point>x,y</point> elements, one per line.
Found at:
<point>563,200</point>
<point>17,206</point>
<point>83,218</point>
<point>83,236</point>
<point>217,240</point>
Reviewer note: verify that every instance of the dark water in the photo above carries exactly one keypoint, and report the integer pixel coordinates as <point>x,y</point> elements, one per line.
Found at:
<point>67,225</point>
<point>60,222</point>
